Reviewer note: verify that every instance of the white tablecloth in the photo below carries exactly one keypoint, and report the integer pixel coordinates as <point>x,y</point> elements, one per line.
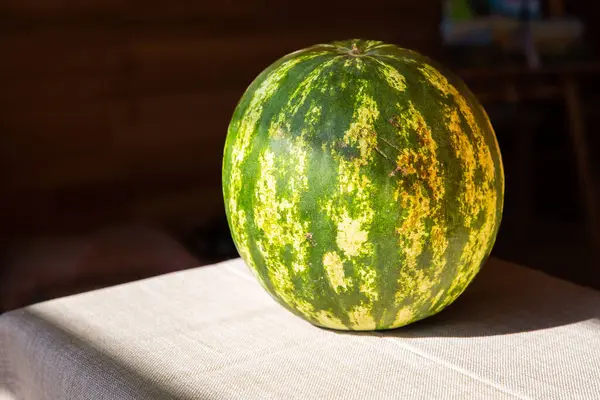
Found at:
<point>213,333</point>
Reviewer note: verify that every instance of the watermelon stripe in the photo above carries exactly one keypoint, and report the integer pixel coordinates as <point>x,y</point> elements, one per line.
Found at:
<point>477,197</point>
<point>353,224</point>
<point>423,201</point>
<point>275,213</point>
<point>293,228</point>
<point>241,136</point>
<point>393,78</point>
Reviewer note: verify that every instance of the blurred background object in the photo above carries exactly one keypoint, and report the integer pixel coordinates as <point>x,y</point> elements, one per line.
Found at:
<point>113,116</point>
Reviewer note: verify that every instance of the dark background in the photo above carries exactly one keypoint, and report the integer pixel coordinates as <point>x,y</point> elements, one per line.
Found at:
<point>113,116</point>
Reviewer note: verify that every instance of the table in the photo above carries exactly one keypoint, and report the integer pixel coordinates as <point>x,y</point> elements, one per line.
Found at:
<point>213,333</point>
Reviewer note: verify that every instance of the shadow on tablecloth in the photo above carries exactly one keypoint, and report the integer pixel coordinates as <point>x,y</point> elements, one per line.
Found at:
<point>506,299</point>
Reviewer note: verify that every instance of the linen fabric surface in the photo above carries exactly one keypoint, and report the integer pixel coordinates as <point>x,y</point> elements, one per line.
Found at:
<point>213,333</point>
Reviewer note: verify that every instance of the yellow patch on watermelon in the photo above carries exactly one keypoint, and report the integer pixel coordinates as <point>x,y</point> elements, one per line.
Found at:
<point>422,161</point>
<point>368,284</point>
<point>393,78</point>
<point>439,244</point>
<point>303,90</point>
<point>412,232</point>
<point>484,158</point>
<point>361,318</point>
<point>351,237</point>
<point>361,132</point>
<point>437,80</point>
<point>463,149</point>
<point>334,267</point>
<point>435,305</point>
<point>329,320</point>
<point>405,316</point>
<point>312,117</point>
<point>371,44</point>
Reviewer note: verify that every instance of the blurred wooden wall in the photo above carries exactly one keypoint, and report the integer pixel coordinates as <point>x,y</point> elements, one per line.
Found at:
<point>113,110</point>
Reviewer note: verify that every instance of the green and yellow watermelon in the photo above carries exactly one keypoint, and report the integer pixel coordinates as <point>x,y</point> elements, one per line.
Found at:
<point>363,184</point>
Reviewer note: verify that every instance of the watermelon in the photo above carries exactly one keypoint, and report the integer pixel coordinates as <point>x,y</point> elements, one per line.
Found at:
<point>363,184</point>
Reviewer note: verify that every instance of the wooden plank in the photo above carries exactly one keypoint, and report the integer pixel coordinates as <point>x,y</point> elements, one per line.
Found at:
<point>185,60</point>
<point>174,61</point>
<point>183,209</point>
<point>43,146</point>
<point>43,114</point>
<point>291,12</point>
<point>178,132</point>
<point>34,92</point>
<point>39,213</point>
<point>49,173</point>
<point>60,52</point>
<point>37,10</point>
<point>60,146</point>
<point>197,109</point>
<point>112,165</point>
<point>155,11</point>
